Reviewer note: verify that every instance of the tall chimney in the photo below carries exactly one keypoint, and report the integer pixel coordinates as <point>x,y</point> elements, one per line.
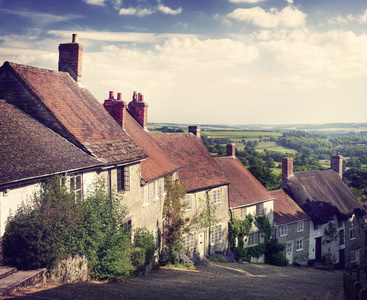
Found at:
<point>337,164</point>
<point>195,130</point>
<point>139,109</point>
<point>70,58</point>
<point>231,150</point>
<point>116,108</point>
<point>287,167</point>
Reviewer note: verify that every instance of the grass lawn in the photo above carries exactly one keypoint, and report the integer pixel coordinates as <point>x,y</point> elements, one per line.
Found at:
<point>240,134</point>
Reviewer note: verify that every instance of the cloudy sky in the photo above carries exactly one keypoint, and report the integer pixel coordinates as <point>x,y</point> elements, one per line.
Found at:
<point>206,61</point>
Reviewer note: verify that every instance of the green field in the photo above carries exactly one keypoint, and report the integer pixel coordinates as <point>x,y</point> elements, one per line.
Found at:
<point>241,134</point>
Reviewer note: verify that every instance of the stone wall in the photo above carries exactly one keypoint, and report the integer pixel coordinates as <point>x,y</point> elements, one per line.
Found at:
<point>71,270</point>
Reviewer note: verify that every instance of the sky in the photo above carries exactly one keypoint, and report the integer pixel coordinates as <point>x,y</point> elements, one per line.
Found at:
<point>206,61</point>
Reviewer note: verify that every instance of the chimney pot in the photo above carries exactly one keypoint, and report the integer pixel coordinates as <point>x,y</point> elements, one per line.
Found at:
<point>75,38</point>
<point>119,96</point>
<point>135,95</point>
<point>141,97</point>
<point>195,130</point>
<point>287,167</point>
<point>112,95</point>
<point>231,150</point>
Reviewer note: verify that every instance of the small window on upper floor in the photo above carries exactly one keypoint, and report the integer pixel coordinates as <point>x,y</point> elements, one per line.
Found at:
<point>156,190</point>
<point>123,179</point>
<point>300,226</point>
<point>340,223</point>
<point>260,209</point>
<point>352,233</point>
<point>76,186</point>
<point>283,230</point>
<point>188,202</point>
<point>146,195</point>
<point>217,196</point>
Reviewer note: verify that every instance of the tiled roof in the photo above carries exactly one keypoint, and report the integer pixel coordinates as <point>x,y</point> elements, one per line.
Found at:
<point>75,114</point>
<point>159,163</point>
<point>199,170</point>
<point>28,149</point>
<point>321,194</point>
<point>244,188</point>
<point>285,209</point>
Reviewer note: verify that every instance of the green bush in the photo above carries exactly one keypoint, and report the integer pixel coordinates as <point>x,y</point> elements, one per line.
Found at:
<point>145,240</point>
<point>57,226</point>
<point>41,235</point>
<point>274,253</point>
<point>138,258</point>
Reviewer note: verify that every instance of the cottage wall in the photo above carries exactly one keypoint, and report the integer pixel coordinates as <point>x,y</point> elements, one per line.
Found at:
<point>299,256</point>
<point>201,236</point>
<point>354,242</point>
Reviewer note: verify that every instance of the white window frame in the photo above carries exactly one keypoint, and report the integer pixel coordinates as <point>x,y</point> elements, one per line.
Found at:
<point>156,190</point>
<point>216,235</point>
<point>355,256</point>
<point>253,238</point>
<point>146,195</point>
<point>283,230</point>
<point>352,233</point>
<point>299,245</point>
<point>76,186</point>
<point>300,226</point>
<point>188,202</point>
<point>189,241</point>
<point>217,196</point>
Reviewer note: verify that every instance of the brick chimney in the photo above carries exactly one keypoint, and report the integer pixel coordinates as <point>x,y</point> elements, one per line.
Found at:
<point>337,164</point>
<point>139,109</point>
<point>287,167</point>
<point>70,58</point>
<point>195,130</point>
<point>231,150</point>
<point>116,108</point>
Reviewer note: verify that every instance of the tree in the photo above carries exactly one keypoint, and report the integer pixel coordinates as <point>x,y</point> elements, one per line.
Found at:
<point>265,176</point>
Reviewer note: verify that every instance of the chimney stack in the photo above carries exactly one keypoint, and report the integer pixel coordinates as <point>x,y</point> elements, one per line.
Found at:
<point>195,130</point>
<point>231,150</point>
<point>337,164</point>
<point>287,167</point>
<point>139,109</point>
<point>70,58</point>
<point>116,108</point>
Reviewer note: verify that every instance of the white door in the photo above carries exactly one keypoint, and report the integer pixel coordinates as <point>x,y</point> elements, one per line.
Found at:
<point>201,244</point>
<point>289,252</point>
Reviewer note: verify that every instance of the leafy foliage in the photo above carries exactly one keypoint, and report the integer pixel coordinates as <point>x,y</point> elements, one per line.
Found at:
<point>57,226</point>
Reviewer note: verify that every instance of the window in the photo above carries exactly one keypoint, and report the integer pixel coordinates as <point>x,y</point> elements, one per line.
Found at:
<point>217,196</point>
<point>189,241</point>
<point>240,213</point>
<point>283,230</point>
<point>260,209</point>
<point>216,235</point>
<point>289,249</point>
<point>300,226</point>
<point>146,195</point>
<point>188,202</point>
<point>352,232</point>
<point>341,237</point>
<point>340,223</point>
<point>156,190</point>
<point>315,226</point>
<point>354,256</point>
<point>76,186</point>
<point>253,238</point>
<point>5,192</point>
<point>123,179</point>
<point>299,245</point>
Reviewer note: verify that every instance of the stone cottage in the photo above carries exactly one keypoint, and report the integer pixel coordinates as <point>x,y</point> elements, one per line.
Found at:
<point>337,218</point>
<point>246,194</point>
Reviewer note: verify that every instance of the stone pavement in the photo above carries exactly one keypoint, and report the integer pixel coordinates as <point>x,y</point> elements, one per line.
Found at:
<point>215,281</point>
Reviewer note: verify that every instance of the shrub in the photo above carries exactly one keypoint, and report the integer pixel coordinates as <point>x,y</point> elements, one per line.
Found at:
<point>145,240</point>
<point>138,258</point>
<point>274,253</point>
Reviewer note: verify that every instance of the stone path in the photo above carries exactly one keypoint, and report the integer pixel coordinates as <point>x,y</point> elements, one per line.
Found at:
<point>215,281</point>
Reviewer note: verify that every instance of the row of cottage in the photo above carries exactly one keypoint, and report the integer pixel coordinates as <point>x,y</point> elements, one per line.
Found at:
<point>50,124</point>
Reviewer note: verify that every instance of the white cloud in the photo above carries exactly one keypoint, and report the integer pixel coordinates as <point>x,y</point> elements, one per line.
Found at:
<point>287,17</point>
<point>246,1</point>
<point>129,37</point>
<point>138,11</point>
<point>289,1</point>
<point>41,18</point>
<point>338,20</point>
<point>363,17</point>
<point>169,11</point>
<point>95,2</point>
